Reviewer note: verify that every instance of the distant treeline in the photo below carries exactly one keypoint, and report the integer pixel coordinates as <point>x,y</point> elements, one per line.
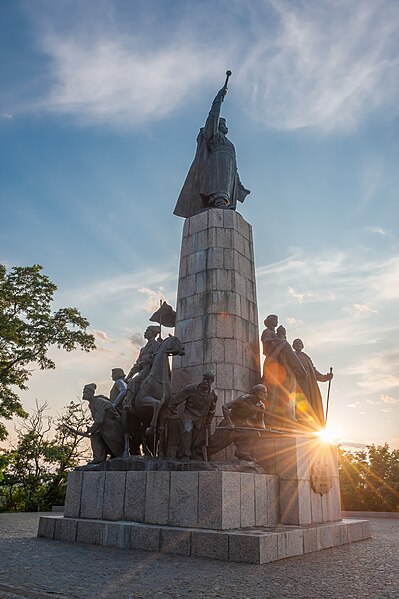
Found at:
<point>369,479</point>
<point>33,473</point>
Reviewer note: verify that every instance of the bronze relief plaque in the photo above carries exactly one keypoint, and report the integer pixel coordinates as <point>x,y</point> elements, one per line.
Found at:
<point>321,479</point>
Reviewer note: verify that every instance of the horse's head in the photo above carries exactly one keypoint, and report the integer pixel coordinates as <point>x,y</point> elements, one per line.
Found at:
<point>172,346</point>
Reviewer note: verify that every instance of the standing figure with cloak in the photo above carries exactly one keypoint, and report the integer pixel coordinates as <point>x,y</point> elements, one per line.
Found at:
<point>213,180</point>
<point>281,370</point>
<point>106,434</point>
<point>309,403</point>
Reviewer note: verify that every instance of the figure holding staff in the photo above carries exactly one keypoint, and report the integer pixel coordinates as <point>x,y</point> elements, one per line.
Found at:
<point>213,180</point>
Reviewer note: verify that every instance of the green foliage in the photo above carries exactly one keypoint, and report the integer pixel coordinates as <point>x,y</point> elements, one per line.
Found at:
<point>369,479</point>
<point>28,328</point>
<point>33,474</point>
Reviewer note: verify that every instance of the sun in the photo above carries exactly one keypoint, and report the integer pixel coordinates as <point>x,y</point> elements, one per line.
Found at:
<point>329,434</point>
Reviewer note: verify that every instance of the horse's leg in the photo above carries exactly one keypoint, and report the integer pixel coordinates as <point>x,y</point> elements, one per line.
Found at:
<point>126,432</point>
<point>155,404</point>
<point>146,449</point>
<point>162,421</point>
<point>135,435</point>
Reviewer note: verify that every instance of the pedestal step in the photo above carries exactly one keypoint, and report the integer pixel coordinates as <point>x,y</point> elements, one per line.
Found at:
<point>258,545</point>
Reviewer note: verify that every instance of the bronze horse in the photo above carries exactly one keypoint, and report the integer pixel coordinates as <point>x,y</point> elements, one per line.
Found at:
<point>153,394</point>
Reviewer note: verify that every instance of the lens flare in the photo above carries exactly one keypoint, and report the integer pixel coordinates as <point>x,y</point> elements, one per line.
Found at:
<point>328,434</point>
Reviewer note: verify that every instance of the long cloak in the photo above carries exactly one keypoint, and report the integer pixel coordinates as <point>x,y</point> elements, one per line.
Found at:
<point>281,370</point>
<point>214,170</point>
<point>308,390</point>
<point>110,437</point>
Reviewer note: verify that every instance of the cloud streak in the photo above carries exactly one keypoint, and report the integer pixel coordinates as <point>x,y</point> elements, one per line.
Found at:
<point>328,65</point>
<point>113,77</point>
<point>377,372</point>
<point>324,65</point>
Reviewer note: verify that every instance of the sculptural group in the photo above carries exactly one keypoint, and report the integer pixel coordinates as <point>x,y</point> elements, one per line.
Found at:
<point>134,419</point>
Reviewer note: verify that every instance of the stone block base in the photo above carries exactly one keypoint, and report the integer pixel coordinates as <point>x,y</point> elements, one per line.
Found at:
<point>258,545</point>
<point>216,500</point>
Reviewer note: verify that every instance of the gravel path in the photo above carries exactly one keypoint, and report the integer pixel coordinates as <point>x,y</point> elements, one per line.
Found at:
<point>32,568</point>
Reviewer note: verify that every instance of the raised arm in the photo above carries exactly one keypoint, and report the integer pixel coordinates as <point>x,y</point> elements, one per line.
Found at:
<point>212,122</point>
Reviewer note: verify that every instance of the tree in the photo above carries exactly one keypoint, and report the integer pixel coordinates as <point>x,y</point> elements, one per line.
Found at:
<point>33,474</point>
<point>28,328</point>
<point>369,479</point>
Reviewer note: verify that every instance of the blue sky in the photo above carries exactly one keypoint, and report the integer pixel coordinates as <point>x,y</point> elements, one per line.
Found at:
<point>100,105</point>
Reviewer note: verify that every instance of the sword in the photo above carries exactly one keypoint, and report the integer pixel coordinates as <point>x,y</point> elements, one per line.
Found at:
<point>328,395</point>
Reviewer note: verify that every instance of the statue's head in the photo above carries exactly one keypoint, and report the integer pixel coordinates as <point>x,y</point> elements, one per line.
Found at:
<point>259,392</point>
<point>271,321</point>
<point>223,126</point>
<point>298,345</point>
<point>88,391</point>
<point>117,373</point>
<point>281,332</point>
<point>152,331</point>
<point>207,379</point>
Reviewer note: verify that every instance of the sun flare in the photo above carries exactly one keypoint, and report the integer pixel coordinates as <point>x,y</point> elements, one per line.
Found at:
<point>329,434</point>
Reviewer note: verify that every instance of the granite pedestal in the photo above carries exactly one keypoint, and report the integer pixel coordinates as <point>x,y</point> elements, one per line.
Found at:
<point>218,514</point>
<point>302,464</point>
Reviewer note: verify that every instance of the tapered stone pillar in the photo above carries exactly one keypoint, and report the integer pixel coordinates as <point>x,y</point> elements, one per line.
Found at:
<point>216,314</point>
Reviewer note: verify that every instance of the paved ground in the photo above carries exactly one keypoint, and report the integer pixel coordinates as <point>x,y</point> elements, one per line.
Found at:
<point>32,568</point>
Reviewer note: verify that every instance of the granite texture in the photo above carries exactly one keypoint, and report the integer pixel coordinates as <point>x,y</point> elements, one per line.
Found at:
<point>218,500</point>
<point>258,545</point>
<point>216,311</point>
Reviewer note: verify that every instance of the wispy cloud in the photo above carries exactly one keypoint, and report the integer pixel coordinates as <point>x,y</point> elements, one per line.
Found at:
<point>153,298</point>
<point>377,372</point>
<point>293,321</point>
<point>384,399</point>
<point>389,399</point>
<point>324,65</point>
<point>328,65</point>
<point>364,309</point>
<point>118,286</point>
<point>101,335</point>
<point>115,77</point>
<point>301,296</point>
<point>378,231</point>
<point>350,273</point>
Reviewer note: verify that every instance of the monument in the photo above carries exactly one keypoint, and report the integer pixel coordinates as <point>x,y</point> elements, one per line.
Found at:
<point>259,488</point>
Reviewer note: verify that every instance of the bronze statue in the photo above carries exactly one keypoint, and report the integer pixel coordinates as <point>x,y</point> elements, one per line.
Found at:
<point>309,404</point>
<point>118,391</point>
<point>240,416</point>
<point>142,365</point>
<point>280,371</point>
<point>213,180</point>
<point>106,434</point>
<point>199,409</point>
<point>138,372</point>
<point>143,404</point>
